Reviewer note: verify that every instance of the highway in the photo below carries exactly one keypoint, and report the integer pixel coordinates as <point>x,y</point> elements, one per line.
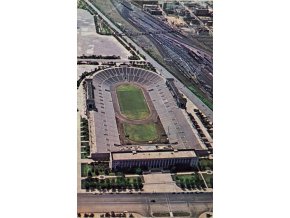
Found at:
<point>145,204</point>
<point>160,68</point>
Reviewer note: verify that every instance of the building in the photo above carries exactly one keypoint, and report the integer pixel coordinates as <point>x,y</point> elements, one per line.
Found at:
<point>152,9</point>
<point>155,12</point>
<point>100,156</point>
<point>180,100</point>
<point>201,12</point>
<point>142,2</point>
<point>154,159</point>
<point>90,95</point>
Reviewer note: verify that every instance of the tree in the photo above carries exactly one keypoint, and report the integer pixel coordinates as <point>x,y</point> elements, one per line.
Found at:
<point>79,214</point>
<point>141,185</point>
<point>87,185</point>
<point>182,185</point>
<point>93,185</point>
<point>139,180</point>
<point>127,183</point>
<point>107,214</point>
<point>192,183</point>
<point>98,185</point>
<point>187,182</point>
<point>104,186</point>
<point>138,171</point>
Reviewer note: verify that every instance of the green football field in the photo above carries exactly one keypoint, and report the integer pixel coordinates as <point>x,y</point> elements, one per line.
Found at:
<point>142,132</point>
<point>132,102</point>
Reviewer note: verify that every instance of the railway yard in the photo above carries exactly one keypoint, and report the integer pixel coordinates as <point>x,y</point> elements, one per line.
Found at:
<point>180,54</point>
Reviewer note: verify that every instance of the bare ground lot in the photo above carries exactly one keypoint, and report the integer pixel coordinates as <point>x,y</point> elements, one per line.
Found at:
<point>89,42</point>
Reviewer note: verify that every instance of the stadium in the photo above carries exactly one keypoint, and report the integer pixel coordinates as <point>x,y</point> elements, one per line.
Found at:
<point>135,120</point>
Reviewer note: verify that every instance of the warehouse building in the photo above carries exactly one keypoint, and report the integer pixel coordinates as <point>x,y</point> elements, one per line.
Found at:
<point>180,100</point>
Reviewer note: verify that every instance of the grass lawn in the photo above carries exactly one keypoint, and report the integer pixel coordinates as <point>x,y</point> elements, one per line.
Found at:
<point>115,182</point>
<point>132,102</point>
<point>206,164</point>
<point>181,213</point>
<point>185,176</point>
<point>201,96</point>
<point>141,133</point>
<point>84,169</point>
<point>105,30</point>
<point>84,155</point>
<point>189,180</point>
<point>208,178</point>
<point>161,214</point>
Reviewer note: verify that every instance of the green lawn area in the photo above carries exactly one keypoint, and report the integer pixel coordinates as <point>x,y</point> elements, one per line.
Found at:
<point>141,133</point>
<point>201,96</point>
<point>132,102</point>
<point>98,169</point>
<point>161,214</point>
<point>181,213</point>
<point>189,180</point>
<point>105,30</point>
<point>208,179</point>
<point>85,168</point>
<point>206,164</point>
<point>113,183</point>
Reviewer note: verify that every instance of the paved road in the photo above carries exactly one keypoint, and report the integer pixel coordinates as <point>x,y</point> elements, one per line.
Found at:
<point>143,204</point>
<point>208,112</point>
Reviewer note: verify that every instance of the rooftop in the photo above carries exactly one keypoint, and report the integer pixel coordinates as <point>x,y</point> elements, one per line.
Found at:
<point>153,155</point>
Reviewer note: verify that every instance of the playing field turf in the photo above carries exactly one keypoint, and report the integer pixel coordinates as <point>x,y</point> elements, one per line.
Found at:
<point>142,132</point>
<point>132,102</point>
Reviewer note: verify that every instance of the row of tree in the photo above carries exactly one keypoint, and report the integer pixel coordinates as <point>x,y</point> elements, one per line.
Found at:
<point>113,214</point>
<point>99,57</point>
<point>194,182</point>
<point>118,183</point>
<point>86,215</point>
<point>98,168</point>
